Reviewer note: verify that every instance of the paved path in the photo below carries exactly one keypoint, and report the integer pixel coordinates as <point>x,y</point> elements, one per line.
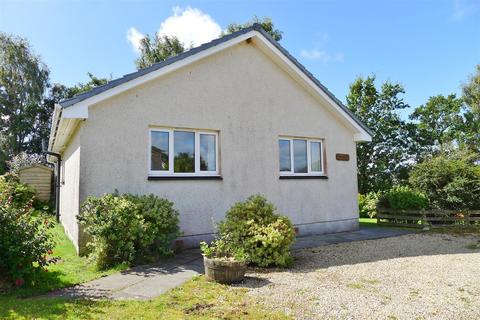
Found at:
<point>146,282</point>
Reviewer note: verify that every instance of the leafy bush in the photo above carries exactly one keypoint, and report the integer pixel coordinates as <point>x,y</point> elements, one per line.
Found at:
<point>255,228</point>
<point>25,242</point>
<point>403,198</point>
<point>15,193</point>
<point>128,228</point>
<point>160,225</point>
<point>367,204</point>
<point>450,182</point>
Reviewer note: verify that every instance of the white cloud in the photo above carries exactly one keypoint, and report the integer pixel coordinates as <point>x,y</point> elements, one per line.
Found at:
<point>317,53</point>
<point>464,8</point>
<point>191,26</point>
<point>323,56</point>
<point>134,37</point>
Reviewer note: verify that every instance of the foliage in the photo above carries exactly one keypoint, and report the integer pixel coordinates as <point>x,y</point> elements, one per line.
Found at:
<point>128,228</point>
<point>367,204</point>
<point>255,227</point>
<point>70,270</point>
<point>195,299</point>
<point>384,161</point>
<point>16,194</point>
<point>451,181</point>
<point>157,49</point>
<point>160,225</point>
<point>439,122</point>
<point>266,23</point>
<point>25,242</point>
<point>471,129</point>
<point>79,88</point>
<point>403,198</point>
<point>23,81</point>
<point>24,160</point>
<point>221,249</point>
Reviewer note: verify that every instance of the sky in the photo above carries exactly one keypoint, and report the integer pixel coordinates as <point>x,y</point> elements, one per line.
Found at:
<point>430,47</point>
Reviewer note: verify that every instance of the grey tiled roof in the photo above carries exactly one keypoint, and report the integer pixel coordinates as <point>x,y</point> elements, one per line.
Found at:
<point>257,27</point>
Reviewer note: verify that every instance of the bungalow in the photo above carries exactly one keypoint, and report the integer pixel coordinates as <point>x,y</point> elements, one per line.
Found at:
<point>210,127</point>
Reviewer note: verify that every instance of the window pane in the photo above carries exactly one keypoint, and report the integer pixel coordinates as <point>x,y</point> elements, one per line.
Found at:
<point>184,148</point>
<point>285,160</point>
<point>316,156</point>
<point>207,152</point>
<point>159,150</point>
<point>300,156</point>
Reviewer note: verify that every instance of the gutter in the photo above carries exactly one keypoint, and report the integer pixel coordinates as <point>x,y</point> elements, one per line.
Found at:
<point>57,182</point>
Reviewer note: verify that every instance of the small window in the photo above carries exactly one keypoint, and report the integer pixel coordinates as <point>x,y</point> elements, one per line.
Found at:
<point>300,156</point>
<point>183,152</point>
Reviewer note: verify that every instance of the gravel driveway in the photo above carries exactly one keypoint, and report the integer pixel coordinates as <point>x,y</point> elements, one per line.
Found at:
<point>417,276</point>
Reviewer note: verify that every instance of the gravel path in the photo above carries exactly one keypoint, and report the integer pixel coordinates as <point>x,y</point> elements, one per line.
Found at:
<point>417,276</point>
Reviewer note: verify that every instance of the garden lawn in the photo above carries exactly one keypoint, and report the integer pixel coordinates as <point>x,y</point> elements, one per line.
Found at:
<point>70,270</point>
<point>196,299</point>
<point>367,222</point>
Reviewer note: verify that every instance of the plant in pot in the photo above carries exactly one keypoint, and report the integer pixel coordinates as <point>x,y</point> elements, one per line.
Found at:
<point>223,263</point>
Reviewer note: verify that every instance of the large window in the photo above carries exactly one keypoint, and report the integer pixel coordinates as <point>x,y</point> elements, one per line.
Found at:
<point>300,156</point>
<point>183,152</point>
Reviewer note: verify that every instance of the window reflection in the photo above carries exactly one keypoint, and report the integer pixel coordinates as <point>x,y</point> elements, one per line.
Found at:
<point>184,147</point>
<point>300,156</point>
<point>207,152</point>
<point>159,151</point>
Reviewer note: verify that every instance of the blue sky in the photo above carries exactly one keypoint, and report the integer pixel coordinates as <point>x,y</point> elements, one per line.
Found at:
<point>428,46</point>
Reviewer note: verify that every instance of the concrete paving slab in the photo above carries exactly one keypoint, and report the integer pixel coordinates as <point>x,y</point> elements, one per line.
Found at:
<point>148,281</point>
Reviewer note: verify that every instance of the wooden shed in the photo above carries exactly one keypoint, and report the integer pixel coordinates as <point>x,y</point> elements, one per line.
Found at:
<point>39,177</point>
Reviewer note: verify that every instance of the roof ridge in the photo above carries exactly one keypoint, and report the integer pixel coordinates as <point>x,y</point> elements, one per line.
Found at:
<point>158,65</point>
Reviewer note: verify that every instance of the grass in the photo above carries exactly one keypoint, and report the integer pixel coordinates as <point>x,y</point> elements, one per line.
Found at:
<point>367,222</point>
<point>196,299</point>
<point>70,270</point>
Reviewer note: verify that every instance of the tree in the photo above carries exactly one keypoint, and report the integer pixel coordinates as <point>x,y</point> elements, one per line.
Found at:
<point>157,49</point>
<point>66,93</point>
<point>160,48</point>
<point>385,160</point>
<point>266,23</point>
<point>439,121</point>
<point>23,81</point>
<point>471,96</point>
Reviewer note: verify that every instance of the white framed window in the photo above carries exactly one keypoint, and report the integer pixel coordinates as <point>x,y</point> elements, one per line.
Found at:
<point>182,152</point>
<point>301,157</point>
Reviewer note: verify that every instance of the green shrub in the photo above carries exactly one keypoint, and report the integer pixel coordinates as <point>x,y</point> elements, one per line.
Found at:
<point>254,227</point>
<point>403,198</point>
<point>367,204</point>
<point>17,194</point>
<point>160,225</point>
<point>128,228</point>
<point>450,182</point>
<point>25,243</point>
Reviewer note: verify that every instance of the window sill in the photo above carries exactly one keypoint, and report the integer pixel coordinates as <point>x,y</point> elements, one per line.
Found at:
<point>193,177</point>
<point>304,177</point>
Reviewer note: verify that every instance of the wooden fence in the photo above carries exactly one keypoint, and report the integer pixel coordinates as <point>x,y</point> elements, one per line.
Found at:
<point>427,218</point>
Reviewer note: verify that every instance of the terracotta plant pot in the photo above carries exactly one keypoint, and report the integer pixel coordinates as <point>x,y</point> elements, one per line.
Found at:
<point>224,271</point>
